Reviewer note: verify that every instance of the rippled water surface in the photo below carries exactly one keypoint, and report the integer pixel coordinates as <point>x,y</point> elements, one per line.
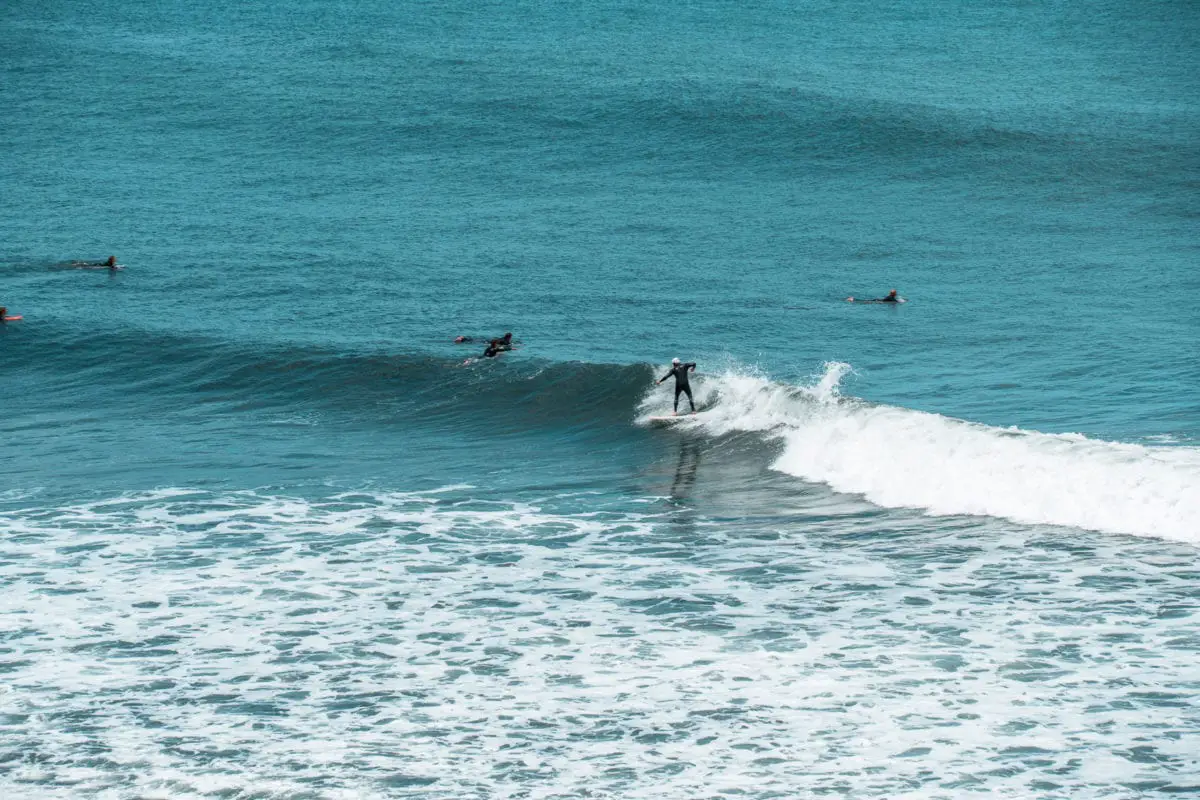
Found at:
<point>267,532</point>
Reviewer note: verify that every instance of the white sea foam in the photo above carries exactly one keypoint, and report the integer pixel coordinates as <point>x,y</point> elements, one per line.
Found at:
<point>185,644</point>
<point>896,458</point>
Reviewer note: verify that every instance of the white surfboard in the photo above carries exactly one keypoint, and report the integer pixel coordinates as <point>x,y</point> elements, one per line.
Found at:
<point>668,419</point>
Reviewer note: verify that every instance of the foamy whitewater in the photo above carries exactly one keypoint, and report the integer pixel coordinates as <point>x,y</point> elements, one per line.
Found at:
<point>267,532</point>
<point>898,458</point>
<point>374,644</point>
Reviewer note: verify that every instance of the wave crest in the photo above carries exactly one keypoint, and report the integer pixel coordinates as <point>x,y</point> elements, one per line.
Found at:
<point>897,457</point>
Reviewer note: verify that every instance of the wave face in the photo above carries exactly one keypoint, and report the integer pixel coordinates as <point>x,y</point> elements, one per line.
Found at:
<point>897,457</point>
<point>893,456</point>
<point>167,371</point>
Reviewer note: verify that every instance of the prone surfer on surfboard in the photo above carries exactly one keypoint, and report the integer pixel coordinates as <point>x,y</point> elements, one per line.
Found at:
<point>502,344</point>
<point>891,298</point>
<point>680,371</point>
<point>109,263</point>
<point>497,346</point>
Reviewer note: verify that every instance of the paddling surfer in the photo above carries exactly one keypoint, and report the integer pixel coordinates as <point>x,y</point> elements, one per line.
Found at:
<point>109,263</point>
<point>892,297</point>
<point>680,371</point>
<point>497,346</point>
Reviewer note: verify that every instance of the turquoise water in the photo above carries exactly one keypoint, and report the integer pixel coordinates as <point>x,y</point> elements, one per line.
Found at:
<point>263,533</point>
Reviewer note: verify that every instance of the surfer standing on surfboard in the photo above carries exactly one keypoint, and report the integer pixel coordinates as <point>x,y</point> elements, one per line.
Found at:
<point>680,371</point>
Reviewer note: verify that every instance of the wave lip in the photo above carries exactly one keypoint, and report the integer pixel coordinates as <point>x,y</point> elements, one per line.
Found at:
<point>897,457</point>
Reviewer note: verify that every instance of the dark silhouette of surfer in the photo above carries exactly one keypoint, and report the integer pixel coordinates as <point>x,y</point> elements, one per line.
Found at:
<point>500,344</point>
<point>109,263</point>
<point>680,372</point>
<point>497,346</point>
<point>891,298</point>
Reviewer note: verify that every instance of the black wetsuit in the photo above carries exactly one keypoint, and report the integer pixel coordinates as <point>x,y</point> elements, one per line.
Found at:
<point>888,299</point>
<point>680,371</point>
<point>496,347</point>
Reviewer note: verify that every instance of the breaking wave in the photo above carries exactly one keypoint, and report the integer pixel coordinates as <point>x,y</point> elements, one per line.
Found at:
<point>897,457</point>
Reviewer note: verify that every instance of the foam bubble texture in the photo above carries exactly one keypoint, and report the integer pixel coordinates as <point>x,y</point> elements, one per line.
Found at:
<point>182,644</point>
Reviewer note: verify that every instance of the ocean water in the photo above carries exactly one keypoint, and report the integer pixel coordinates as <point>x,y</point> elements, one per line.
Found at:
<point>267,532</point>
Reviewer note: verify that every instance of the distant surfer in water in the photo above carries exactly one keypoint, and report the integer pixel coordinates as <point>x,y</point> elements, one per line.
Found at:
<point>109,263</point>
<point>891,298</point>
<point>503,342</point>
<point>680,371</point>
<point>497,346</point>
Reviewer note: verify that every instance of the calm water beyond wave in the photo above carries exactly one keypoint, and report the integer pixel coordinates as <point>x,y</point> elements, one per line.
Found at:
<point>266,531</point>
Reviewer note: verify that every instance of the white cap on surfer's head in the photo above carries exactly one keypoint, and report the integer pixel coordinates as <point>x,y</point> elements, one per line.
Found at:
<point>674,360</point>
